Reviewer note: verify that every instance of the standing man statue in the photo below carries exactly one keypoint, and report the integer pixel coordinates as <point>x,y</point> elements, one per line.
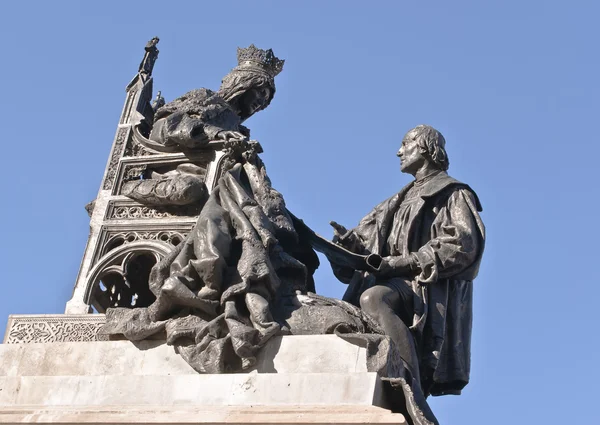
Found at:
<point>430,239</point>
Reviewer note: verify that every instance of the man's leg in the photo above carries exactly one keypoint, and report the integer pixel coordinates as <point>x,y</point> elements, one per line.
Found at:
<point>383,304</point>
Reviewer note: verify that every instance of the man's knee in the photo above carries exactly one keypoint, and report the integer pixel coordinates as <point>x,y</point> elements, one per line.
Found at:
<point>376,298</point>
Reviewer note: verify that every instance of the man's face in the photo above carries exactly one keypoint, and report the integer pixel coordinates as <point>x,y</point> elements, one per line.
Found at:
<point>254,100</point>
<point>411,158</point>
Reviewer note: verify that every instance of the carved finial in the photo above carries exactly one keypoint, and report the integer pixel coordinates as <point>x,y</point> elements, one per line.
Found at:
<point>152,43</point>
<point>259,59</point>
<point>158,101</point>
<point>149,58</point>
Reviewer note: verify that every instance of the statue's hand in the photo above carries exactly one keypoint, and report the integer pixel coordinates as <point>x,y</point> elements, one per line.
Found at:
<point>340,233</point>
<point>231,135</point>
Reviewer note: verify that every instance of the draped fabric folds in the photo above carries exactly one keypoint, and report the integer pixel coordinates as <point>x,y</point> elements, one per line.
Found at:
<point>443,229</point>
<point>233,283</point>
<point>214,291</point>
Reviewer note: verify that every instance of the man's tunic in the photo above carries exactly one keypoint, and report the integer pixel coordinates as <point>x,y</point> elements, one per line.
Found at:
<point>436,222</point>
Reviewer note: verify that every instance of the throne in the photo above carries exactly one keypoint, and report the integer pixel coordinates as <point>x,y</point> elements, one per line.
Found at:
<point>127,238</point>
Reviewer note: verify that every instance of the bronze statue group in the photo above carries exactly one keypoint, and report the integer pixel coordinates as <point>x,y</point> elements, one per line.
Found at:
<point>245,272</point>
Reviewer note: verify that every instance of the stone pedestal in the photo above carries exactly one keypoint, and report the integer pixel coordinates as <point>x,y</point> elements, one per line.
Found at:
<point>297,379</point>
<point>203,415</point>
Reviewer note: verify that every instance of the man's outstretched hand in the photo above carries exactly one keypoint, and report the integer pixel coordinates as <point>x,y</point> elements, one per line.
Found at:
<point>339,232</point>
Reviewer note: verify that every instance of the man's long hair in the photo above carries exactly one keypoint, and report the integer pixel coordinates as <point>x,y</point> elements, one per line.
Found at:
<point>432,145</point>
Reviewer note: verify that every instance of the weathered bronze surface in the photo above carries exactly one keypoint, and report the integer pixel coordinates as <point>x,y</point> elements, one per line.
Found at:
<point>424,247</point>
<point>202,115</point>
<point>244,273</point>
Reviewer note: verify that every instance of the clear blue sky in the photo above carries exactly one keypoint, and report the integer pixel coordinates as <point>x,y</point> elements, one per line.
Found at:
<point>513,86</point>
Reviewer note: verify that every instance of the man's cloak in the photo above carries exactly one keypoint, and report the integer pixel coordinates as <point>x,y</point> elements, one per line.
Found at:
<point>446,235</point>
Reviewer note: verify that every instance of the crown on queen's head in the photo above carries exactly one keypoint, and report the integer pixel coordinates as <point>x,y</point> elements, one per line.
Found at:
<point>258,59</point>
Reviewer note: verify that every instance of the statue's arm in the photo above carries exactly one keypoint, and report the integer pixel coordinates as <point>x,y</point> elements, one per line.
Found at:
<point>349,239</point>
<point>184,126</point>
<point>212,131</point>
<point>458,242</point>
<point>180,129</point>
<point>352,241</point>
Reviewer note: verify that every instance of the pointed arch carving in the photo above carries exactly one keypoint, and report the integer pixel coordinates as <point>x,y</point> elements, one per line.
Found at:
<point>120,278</point>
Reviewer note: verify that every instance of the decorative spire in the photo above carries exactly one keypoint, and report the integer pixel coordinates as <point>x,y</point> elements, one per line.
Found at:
<point>149,57</point>
<point>258,59</point>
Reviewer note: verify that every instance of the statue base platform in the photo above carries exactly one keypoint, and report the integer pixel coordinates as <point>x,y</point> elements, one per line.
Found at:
<point>297,379</point>
<point>202,415</point>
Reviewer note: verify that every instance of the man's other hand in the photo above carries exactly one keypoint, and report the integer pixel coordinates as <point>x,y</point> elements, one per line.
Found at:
<point>395,266</point>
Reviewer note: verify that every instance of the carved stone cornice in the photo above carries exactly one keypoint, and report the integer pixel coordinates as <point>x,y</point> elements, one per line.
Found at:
<point>27,329</point>
<point>131,210</point>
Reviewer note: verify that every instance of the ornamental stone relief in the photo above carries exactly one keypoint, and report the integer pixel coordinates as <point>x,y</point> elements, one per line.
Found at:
<point>123,238</point>
<point>131,211</point>
<point>111,174</point>
<point>136,149</point>
<point>49,328</point>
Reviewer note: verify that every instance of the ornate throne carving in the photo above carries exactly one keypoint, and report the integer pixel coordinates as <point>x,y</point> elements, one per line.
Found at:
<point>128,237</point>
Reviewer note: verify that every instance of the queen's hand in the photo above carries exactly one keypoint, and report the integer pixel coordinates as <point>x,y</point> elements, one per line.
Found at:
<point>231,136</point>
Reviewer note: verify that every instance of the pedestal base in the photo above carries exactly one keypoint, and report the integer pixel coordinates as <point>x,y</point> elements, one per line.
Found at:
<point>217,415</point>
<point>297,379</point>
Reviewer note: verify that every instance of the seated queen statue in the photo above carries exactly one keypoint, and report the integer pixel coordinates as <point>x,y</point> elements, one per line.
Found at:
<point>199,116</point>
<point>215,290</point>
